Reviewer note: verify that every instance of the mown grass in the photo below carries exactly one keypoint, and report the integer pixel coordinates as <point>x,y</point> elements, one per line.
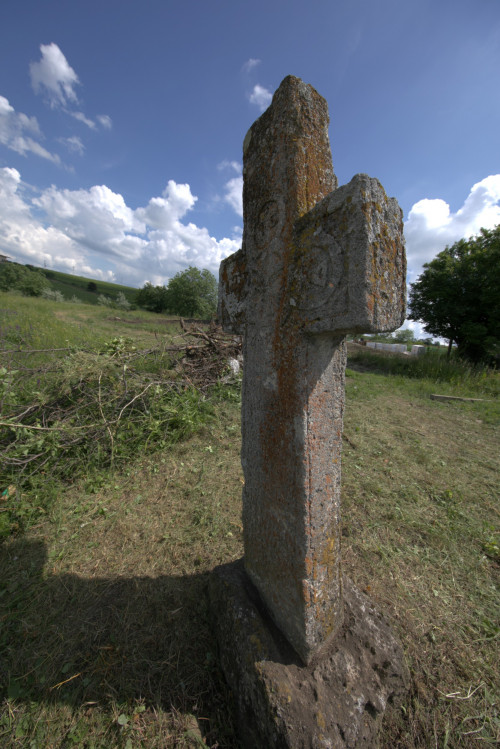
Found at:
<point>421,535</point>
<point>106,639</point>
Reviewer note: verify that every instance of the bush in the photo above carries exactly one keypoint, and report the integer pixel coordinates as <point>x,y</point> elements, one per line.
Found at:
<point>122,302</point>
<point>54,296</point>
<point>21,278</point>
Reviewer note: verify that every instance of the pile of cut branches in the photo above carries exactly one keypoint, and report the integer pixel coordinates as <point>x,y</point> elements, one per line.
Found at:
<point>89,410</point>
<point>206,361</point>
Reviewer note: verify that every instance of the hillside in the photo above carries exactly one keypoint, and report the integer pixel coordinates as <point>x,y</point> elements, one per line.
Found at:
<point>78,286</point>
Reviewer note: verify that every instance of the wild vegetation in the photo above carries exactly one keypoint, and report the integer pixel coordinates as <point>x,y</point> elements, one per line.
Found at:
<point>33,281</point>
<point>105,633</point>
<point>456,297</point>
<point>191,293</point>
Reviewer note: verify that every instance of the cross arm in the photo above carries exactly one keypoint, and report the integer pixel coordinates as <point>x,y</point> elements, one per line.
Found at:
<point>232,293</point>
<point>347,268</point>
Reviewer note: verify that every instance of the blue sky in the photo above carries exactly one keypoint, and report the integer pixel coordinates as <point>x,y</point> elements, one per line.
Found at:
<point>122,122</point>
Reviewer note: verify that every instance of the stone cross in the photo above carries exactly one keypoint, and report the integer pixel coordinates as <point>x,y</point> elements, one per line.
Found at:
<point>316,263</point>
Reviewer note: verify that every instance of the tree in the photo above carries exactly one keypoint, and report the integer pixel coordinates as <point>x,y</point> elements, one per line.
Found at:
<point>21,278</point>
<point>192,293</point>
<point>153,298</point>
<point>404,335</point>
<point>457,297</point>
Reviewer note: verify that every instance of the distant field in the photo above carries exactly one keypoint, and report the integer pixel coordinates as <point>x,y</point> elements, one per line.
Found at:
<point>78,286</point>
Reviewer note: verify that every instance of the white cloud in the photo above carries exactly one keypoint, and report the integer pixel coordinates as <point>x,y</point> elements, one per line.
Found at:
<point>93,232</point>
<point>234,194</point>
<point>27,240</point>
<point>21,133</point>
<point>54,77</point>
<point>235,166</point>
<point>97,219</point>
<point>431,225</point>
<point>81,117</point>
<point>102,119</point>
<point>250,65</point>
<point>164,213</point>
<point>260,96</point>
<point>105,121</point>
<point>233,189</point>
<point>73,144</point>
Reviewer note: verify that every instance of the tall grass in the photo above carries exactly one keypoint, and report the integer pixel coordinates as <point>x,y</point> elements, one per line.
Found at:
<point>434,366</point>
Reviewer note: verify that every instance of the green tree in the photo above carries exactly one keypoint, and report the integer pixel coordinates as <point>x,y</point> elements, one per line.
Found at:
<point>404,335</point>
<point>152,298</point>
<point>457,296</point>
<point>21,278</point>
<point>192,293</point>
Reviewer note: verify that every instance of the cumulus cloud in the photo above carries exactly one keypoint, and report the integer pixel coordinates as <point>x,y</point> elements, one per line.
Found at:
<point>27,240</point>
<point>21,133</point>
<point>431,225</point>
<point>164,213</point>
<point>54,77</point>
<point>93,232</point>
<point>260,96</point>
<point>96,218</point>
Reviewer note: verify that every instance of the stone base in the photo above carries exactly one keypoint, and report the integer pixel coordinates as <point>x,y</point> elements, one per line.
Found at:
<point>335,702</point>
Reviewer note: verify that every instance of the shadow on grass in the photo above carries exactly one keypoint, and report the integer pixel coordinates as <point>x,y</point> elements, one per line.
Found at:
<point>106,640</point>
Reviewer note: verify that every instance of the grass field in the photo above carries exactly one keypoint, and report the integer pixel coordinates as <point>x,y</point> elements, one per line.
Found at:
<point>105,634</point>
<point>77,286</point>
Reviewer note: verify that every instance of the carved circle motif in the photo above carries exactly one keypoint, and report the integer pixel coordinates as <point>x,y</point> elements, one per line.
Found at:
<point>269,219</point>
<point>315,285</point>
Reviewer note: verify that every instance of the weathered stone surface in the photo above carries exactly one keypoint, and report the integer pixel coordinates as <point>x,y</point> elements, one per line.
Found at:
<point>348,262</point>
<point>336,702</point>
<point>316,263</point>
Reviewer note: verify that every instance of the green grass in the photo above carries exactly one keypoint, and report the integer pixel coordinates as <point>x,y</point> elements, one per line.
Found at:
<point>421,534</point>
<point>75,401</point>
<point>70,285</point>
<point>105,632</point>
<point>457,377</point>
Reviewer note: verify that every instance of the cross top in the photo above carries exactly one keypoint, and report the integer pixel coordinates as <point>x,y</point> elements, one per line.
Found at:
<point>316,263</point>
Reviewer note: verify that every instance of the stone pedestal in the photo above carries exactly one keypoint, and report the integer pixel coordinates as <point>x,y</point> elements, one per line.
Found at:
<point>335,702</point>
